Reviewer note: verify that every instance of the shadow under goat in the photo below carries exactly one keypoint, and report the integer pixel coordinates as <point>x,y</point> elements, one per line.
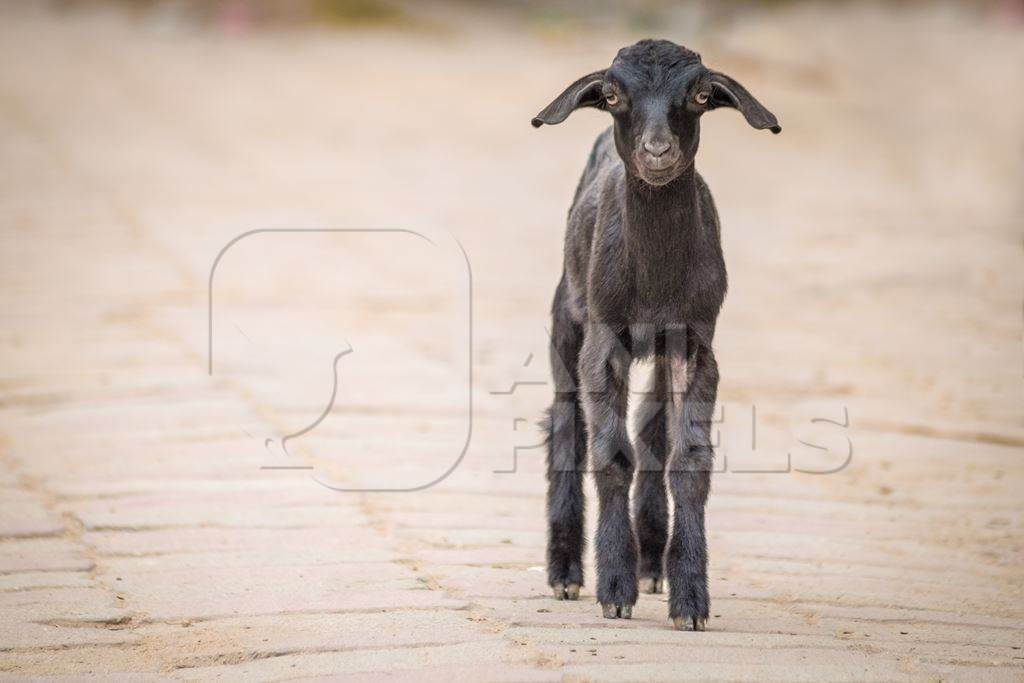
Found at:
<point>644,277</point>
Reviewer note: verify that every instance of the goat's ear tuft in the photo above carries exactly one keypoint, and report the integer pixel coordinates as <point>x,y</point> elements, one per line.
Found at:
<point>584,92</point>
<point>727,92</point>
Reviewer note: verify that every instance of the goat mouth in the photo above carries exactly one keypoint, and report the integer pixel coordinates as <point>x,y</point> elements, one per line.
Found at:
<point>658,177</point>
<point>660,164</point>
<point>657,170</point>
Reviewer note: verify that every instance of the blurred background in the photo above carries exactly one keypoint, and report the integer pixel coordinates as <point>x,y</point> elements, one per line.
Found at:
<point>171,457</point>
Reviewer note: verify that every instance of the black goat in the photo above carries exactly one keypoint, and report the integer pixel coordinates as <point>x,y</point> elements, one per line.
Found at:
<point>644,277</point>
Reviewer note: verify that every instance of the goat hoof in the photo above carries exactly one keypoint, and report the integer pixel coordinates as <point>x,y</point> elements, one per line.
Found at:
<point>689,623</point>
<point>563,591</point>
<point>650,585</point>
<point>613,610</point>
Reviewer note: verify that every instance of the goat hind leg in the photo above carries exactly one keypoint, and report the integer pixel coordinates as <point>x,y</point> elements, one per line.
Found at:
<point>566,453</point>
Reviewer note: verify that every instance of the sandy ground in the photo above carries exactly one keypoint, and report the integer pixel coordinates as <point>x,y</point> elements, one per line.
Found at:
<point>873,327</point>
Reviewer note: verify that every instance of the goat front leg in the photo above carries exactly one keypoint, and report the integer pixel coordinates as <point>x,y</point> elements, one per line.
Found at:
<point>694,375</point>
<point>604,378</point>
<point>650,507</point>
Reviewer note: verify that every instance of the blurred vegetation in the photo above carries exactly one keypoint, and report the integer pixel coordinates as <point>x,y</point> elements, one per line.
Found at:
<point>544,15</point>
<point>243,14</point>
<point>354,11</point>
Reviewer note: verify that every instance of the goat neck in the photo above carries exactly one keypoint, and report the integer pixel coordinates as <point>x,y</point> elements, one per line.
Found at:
<point>662,223</point>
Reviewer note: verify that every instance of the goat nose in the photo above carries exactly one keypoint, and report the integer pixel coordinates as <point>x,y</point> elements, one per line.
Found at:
<point>656,147</point>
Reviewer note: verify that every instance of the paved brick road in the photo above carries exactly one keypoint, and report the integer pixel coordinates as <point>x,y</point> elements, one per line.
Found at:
<point>874,251</point>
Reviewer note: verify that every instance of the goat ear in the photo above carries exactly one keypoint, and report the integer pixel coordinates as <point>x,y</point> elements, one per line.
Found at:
<point>727,92</point>
<point>584,92</point>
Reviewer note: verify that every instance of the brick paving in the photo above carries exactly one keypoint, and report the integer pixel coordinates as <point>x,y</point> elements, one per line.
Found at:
<point>875,274</point>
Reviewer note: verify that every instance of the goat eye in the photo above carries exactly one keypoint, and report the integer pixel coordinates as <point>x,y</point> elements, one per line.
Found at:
<point>702,97</point>
<point>612,99</point>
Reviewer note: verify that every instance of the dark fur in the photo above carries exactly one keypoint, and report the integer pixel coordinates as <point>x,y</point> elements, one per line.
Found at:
<point>644,278</point>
